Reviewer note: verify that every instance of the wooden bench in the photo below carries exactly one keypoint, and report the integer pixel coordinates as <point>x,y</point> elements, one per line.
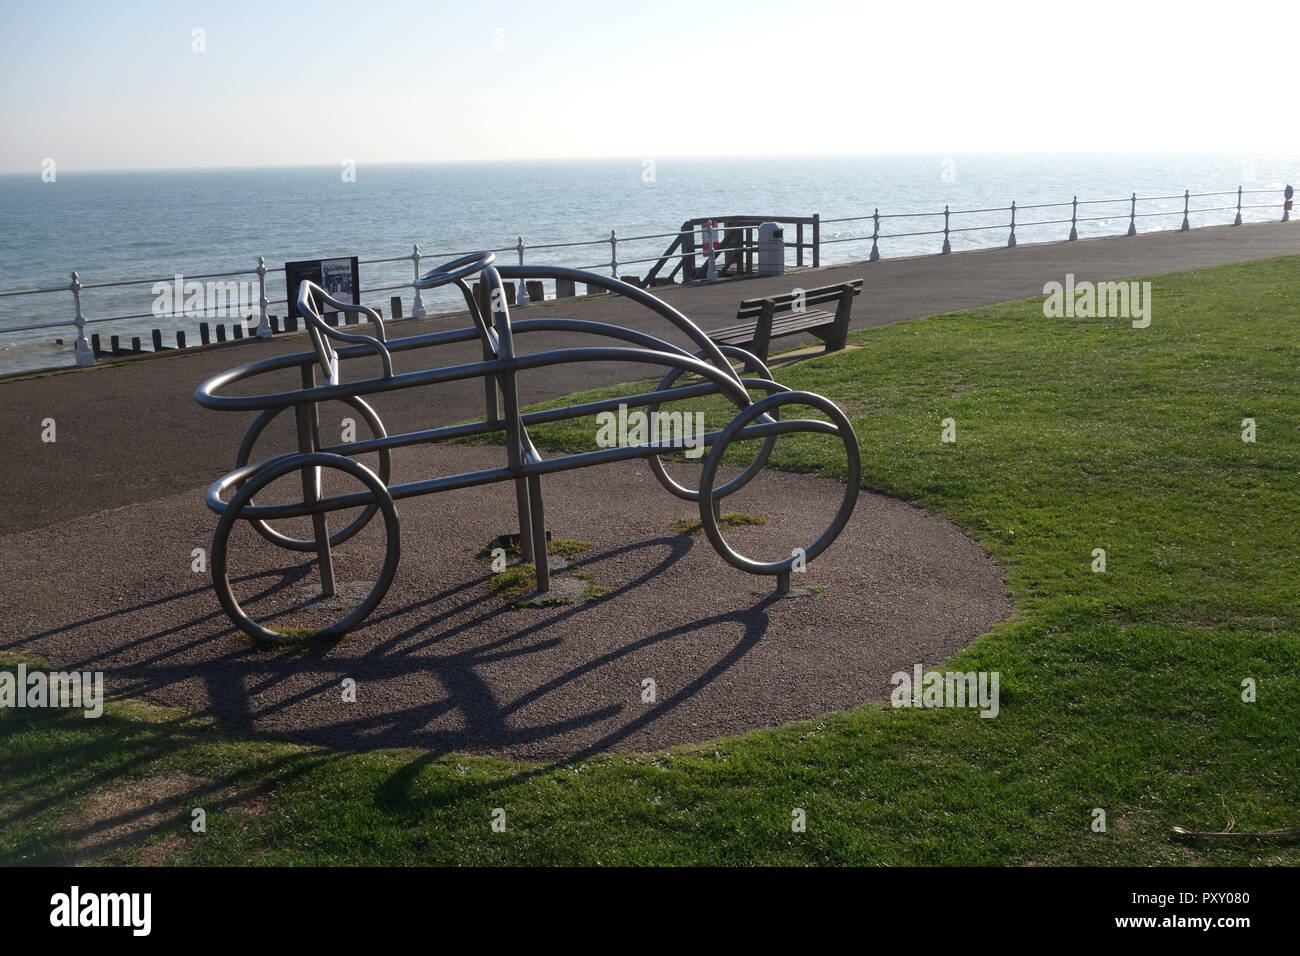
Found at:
<point>762,320</point>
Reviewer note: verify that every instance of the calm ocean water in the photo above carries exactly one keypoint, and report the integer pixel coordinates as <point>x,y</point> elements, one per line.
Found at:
<point>115,226</point>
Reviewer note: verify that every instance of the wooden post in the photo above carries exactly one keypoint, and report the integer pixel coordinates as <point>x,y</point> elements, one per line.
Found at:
<point>535,291</point>
<point>840,331</point>
<point>275,324</point>
<point>157,341</point>
<point>205,333</point>
<point>688,252</point>
<point>291,323</point>
<point>564,288</point>
<point>817,240</point>
<point>238,330</point>
<point>221,332</point>
<point>180,338</point>
<point>114,344</point>
<point>94,343</point>
<point>135,343</point>
<point>481,292</point>
<point>763,330</point>
<point>395,303</point>
<point>798,244</point>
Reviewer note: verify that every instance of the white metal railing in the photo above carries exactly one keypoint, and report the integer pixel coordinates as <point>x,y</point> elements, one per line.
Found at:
<point>1074,219</point>
<point>84,354</point>
<point>82,351</point>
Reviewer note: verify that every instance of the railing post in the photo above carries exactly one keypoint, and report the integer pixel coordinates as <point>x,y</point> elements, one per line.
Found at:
<point>1187,196</point>
<point>613,254</point>
<point>85,355</point>
<point>1237,221</point>
<point>798,244</point>
<point>263,321</point>
<point>1074,220</point>
<point>521,298</point>
<point>875,235</point>
<point>817,239</point>
<point>417,307</point>
<point>709,246</point>
<point>1286,202</point>
<point>947,246</point>
<point>1011,240</point>
<point>1132,216</point>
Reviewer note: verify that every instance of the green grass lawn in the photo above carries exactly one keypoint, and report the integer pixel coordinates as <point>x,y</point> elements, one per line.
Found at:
<point>1119,690</point>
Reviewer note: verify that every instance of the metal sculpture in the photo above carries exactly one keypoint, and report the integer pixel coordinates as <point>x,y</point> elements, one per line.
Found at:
<point>525,466</point>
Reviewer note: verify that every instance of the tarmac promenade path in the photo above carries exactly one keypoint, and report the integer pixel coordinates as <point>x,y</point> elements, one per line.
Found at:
<point>132,432</point>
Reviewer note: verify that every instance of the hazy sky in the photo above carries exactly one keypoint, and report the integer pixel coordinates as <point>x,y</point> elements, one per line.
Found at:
<point>119,85</point>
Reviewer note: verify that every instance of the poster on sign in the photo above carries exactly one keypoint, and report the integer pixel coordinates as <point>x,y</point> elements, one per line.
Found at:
<point>337,279</point>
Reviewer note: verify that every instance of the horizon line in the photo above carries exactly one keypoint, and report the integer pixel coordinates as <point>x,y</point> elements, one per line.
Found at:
<point>633,157</point>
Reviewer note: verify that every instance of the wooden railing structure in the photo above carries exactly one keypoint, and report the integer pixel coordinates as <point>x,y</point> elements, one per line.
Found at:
<point>736,247</point>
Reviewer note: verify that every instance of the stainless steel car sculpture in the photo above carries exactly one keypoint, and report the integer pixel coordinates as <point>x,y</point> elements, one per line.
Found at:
<point>524,464</point>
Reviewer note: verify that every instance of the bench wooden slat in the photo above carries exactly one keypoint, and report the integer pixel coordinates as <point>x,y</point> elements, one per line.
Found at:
<point>752,312</point>
<point>791,320</point>
<point>830,293</point>
<point>820,290</point>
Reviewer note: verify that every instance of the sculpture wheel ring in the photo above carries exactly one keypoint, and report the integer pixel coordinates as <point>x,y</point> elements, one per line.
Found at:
<point>273,470</point>
<point>839,425</point>
<point>343,534</point>
<point>672,486</point>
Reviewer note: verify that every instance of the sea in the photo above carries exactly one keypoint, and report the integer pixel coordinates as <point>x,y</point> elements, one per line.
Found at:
<point>112,227</point>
